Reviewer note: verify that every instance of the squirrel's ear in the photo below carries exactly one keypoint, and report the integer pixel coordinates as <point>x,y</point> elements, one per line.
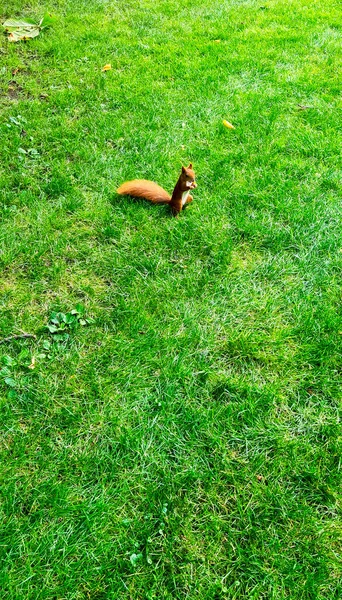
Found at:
<point>190,166</point>
<point>183,170</point>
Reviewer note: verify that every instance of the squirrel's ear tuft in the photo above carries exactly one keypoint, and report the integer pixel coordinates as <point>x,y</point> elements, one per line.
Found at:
<point>183,170</point>
<point>190,166</point>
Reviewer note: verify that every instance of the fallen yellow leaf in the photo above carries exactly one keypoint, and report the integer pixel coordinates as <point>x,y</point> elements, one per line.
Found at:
<point>227,124</point>
<point>107,68</point>
<point>33,363</point>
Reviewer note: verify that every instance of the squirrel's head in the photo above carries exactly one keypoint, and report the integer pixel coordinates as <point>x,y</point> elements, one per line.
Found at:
<point>188,177</point>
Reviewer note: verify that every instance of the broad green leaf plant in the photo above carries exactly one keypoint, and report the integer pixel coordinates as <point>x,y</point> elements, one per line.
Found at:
<point>25,29</point>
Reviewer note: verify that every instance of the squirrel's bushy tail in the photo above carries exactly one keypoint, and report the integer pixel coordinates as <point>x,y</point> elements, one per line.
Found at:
<point>141,188</point>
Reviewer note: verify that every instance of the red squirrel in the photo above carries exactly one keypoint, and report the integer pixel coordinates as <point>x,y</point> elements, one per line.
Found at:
<point>141,188</point>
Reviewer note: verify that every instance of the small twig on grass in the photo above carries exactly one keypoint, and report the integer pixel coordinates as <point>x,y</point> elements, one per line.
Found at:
<point>18,336</point>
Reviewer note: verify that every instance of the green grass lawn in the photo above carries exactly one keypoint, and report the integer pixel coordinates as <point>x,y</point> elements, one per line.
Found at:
<point>185,443</point>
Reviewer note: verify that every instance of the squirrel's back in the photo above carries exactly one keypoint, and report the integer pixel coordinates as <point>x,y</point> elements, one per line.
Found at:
<point>141,188</point>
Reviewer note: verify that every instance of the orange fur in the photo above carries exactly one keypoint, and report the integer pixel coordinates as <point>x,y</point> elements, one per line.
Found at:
<point>141,188</point>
